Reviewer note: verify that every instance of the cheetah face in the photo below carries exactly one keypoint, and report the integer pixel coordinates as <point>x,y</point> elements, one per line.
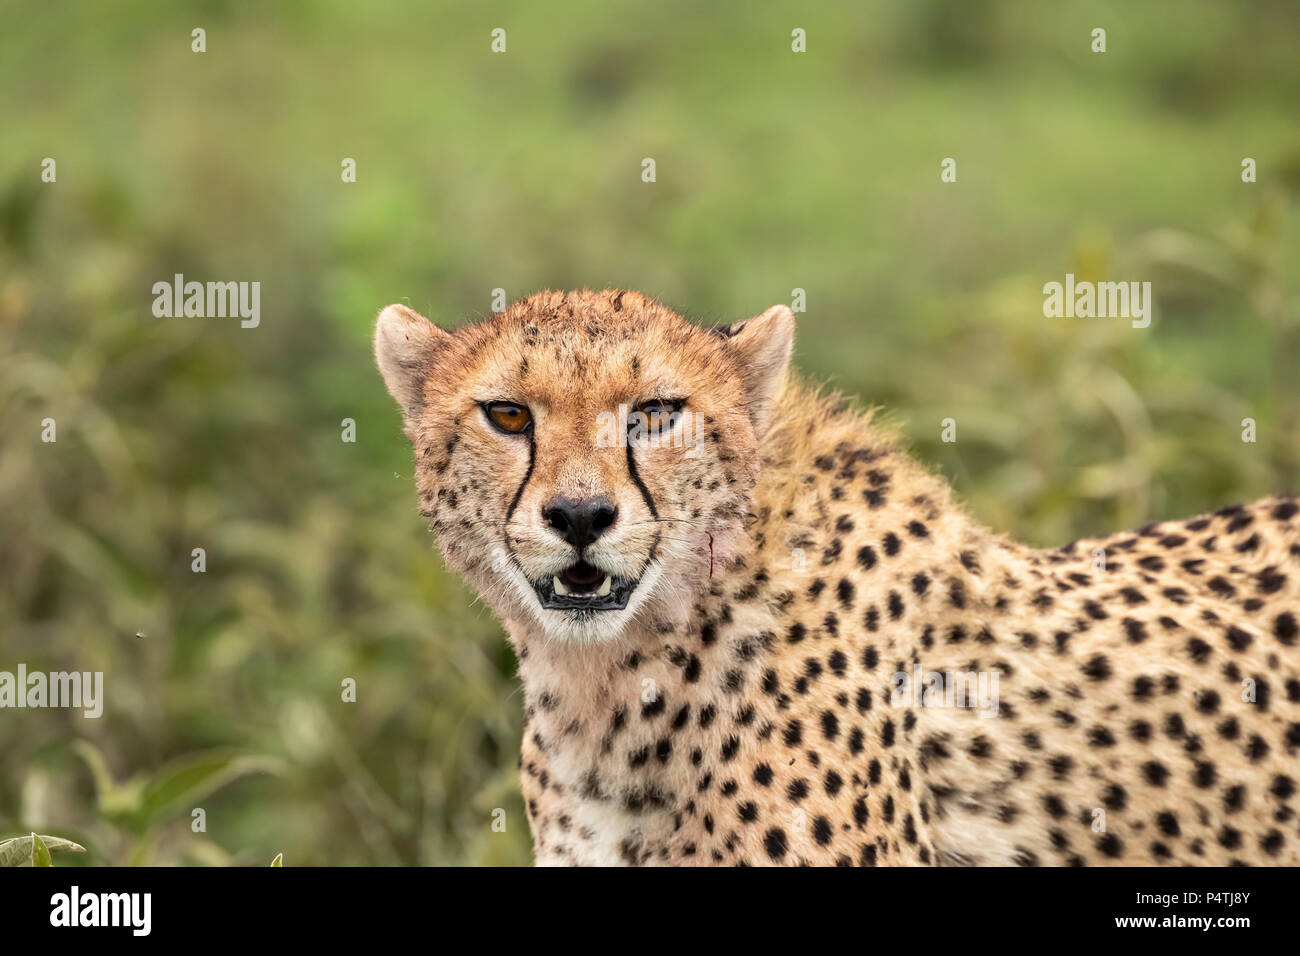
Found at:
<point>585,459</point>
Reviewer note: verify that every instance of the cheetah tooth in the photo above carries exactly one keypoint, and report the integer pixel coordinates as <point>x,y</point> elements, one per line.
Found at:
<point>603,590</point>
<point>560,589</point>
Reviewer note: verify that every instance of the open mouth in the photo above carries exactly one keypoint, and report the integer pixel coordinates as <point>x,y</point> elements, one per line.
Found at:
<point>583,587</point>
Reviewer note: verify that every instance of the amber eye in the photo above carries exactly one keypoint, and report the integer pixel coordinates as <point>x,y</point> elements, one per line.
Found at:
<point>655,417</point>
<point>661,407</point>
<point>509,417</point>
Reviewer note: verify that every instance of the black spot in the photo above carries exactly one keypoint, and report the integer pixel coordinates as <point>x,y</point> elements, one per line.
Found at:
<point>1285,628</point>
<point>1234,798</point>
<point>1061,765</point>
<point>856,741</point>
<point>1132,596</point>
<point>1110,845</point>
<point>895,606</point>
<point>833,783</point>
<point>1097,668</point>
<point>1136,631</point>
<point>1115,798</point>
<point>1101,737</point>
<point>1220,585</point>
<point>692,672</point>
<point>1155,773</point>
<point>1256,748</point>
<point>774,841</point>
<point>1207,701</point>
<point>682,716</point>
<point>1239,639</point>
<point>1271,842</point>
<point>1205,774</point>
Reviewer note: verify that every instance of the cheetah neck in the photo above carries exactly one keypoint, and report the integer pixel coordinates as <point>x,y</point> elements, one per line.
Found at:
<point>625,743</point>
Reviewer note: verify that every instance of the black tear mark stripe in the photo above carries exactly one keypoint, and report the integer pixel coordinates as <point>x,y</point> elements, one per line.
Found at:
<point>645,492</point>
<point>649,501</point>
<point>532,458</point>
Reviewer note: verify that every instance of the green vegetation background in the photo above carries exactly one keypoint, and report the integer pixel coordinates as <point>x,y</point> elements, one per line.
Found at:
<point>522,171</point>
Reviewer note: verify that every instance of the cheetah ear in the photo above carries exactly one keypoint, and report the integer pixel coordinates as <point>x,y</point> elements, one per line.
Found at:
<point>405,343</point>
<point>762,345</point>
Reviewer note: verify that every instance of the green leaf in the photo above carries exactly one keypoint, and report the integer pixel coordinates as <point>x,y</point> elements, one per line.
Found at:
<point>40,853</point>
<point>118,803</point>
<point>279,860</point>
<point>21,851</point>
<point>193,777</point>
<point>98,767</point>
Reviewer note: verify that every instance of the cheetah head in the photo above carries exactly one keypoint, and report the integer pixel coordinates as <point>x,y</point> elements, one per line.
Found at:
<point>585,459</point>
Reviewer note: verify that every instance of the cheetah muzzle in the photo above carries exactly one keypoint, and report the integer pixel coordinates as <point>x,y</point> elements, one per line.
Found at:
<point>582,587</point>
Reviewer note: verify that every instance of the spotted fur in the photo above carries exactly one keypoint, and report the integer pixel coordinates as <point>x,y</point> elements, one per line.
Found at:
<point>1148,695</point>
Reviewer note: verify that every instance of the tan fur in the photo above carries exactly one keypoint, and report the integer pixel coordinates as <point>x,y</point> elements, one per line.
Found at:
<point>1148,697</point>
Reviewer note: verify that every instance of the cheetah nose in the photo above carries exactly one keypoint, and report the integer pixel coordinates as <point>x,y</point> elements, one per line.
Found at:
<point>579,522</point>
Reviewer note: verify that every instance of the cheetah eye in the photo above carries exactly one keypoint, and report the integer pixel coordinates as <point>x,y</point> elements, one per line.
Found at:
<point>661,407</point>
<point>508,417</point>
<point>655,416</point>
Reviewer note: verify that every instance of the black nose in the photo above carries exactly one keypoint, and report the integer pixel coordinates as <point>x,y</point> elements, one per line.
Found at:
<point>580,522</point>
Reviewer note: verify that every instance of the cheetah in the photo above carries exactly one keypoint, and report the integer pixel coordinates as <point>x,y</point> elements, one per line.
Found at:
<point>751,630</point>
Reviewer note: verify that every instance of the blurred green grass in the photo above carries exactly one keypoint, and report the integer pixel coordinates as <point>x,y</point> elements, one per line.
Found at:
<point>521,171</point>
